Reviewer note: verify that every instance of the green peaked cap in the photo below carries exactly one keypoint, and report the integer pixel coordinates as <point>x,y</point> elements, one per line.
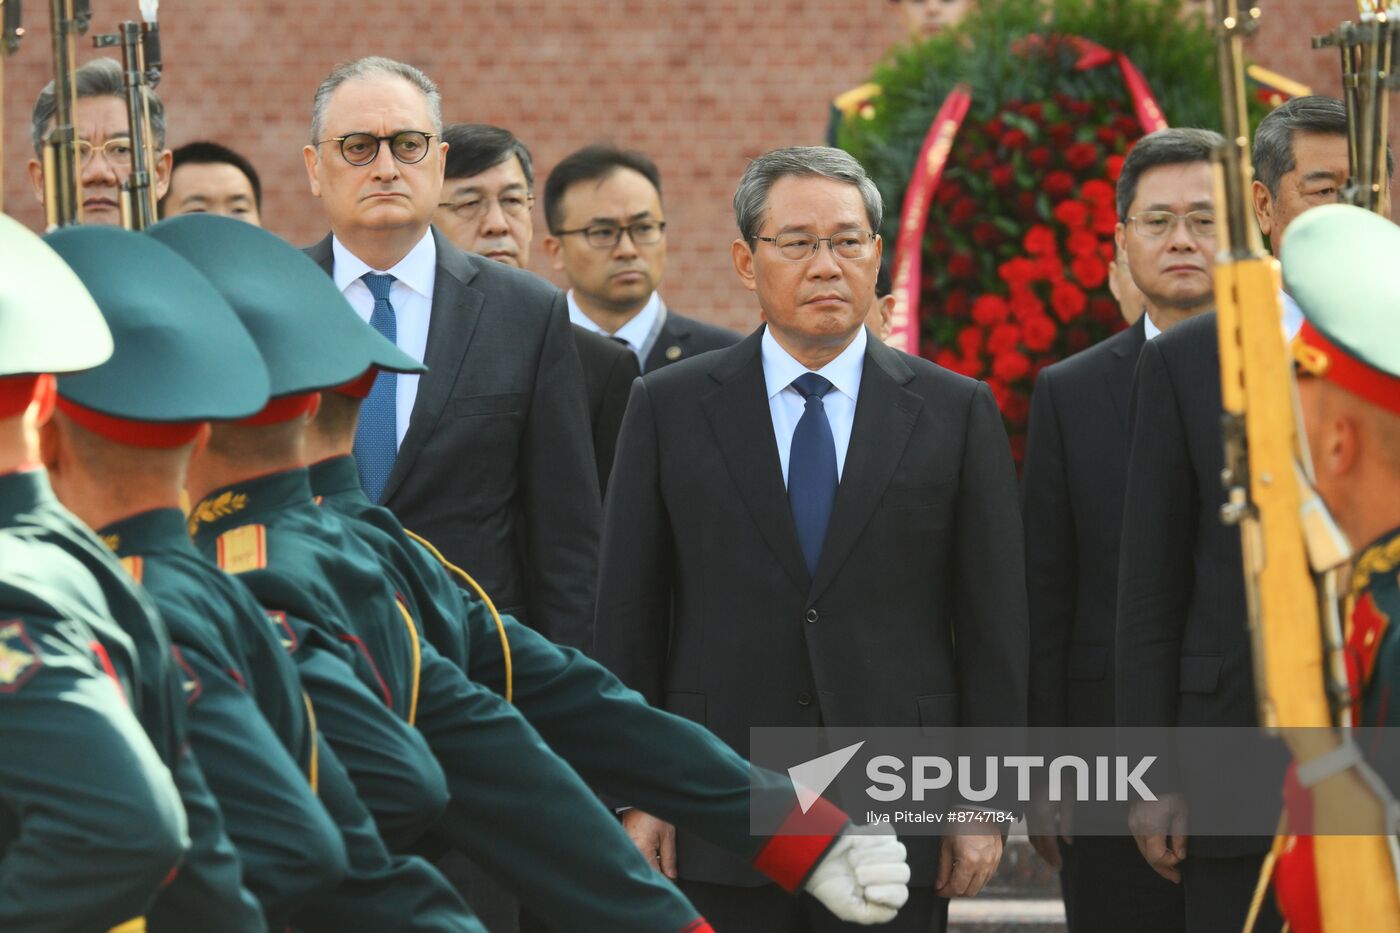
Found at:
<point>48,321</point>
<point>181,353</point>
<point>309,336</point>
<point>1342,265</point>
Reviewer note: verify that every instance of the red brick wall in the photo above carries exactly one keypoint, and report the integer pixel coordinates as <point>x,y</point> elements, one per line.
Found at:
<point>701,85</point>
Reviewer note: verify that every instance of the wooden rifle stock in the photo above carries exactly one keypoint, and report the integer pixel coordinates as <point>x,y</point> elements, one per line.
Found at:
<point>11,29</point>
<point>1291,547</point>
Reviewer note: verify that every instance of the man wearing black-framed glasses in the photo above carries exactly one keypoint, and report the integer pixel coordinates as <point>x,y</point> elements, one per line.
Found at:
<point>529,510</point>
<point>608,239</point>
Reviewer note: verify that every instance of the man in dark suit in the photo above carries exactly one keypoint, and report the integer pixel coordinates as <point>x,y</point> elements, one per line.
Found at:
<point>1183,654</point>
<point>488,455</point>
<point>1072,501</point>
<point>485,209</point>
<point>850,559</point>
<point>607,235</point>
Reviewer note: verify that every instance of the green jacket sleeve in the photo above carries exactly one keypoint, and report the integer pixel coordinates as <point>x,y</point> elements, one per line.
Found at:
<point>90,821</point>
<point>290,849</point>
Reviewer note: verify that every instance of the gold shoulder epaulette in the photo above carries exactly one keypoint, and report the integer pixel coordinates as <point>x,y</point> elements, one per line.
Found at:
<point>243,549</point>
<point>134,567</point>
<point>851,102</point>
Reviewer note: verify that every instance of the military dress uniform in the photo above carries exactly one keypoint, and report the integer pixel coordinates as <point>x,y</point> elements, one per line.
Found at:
<point>183,357</point>
<point>622,746</point>
<point>1351,337</point>
<point>206,893</point>
<point>91,824</point>
<point>514,806</point>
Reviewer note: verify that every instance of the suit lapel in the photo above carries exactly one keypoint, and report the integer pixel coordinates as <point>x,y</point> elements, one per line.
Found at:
<point>675,334</point>
<point>885,416</point>
<point>1119,374</point>
<point>456,310</point>
<point>738,414</point>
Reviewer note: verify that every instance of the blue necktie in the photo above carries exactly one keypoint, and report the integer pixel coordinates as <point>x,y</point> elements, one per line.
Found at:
<point>812,469</point>
<point>376,439</point>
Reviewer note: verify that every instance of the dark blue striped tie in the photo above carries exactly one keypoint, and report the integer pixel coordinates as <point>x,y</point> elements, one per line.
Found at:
<point>812,469</point>
<point>376,439</point>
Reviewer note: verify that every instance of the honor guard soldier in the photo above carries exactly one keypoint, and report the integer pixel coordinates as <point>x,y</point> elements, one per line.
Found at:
<point>206,893</point>
<point>92,824</point>
<point>564,851</point>
<point>119,448</point>
<point>1348,362</point>
<point>584,713</point>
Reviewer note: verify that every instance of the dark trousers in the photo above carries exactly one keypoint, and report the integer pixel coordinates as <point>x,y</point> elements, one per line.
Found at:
<point>1109,887</point>
<point>770,909</point>
<point>1218,892</point>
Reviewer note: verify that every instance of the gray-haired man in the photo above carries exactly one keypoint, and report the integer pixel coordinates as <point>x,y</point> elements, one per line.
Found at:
<point>854,560</point>
<point>489,454</point>
<point>104,139</point>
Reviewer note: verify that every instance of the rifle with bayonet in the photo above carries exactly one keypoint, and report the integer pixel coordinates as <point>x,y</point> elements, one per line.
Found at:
<point>141,66</point>
<point>63,181</point>
<point>1292,549</point>
<point>1368,53</point>
<point>11,30</point>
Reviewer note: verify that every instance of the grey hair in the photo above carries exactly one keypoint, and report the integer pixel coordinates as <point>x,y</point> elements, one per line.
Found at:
<point>101,77</point>
<point>1273,140</point>
<point>751,197</point>
<point>370,67</point>
<point>1174,146</point>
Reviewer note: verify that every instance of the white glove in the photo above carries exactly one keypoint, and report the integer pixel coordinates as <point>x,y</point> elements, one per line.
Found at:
<point>864,878</point>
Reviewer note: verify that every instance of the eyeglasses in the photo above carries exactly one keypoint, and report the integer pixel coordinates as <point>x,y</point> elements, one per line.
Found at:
<point>1156,224</point>
<point>117,152</point>
<point>796,246</point>
<point>475,207</point>
<point>409,147</point>
<point>606,236</point>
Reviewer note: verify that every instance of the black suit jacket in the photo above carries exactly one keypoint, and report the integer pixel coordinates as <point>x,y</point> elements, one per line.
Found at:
<point>1183,653</point>
<point>924,544</point>
<point>608,370</point>
<point>497,467</point>
<point>1073,482</point>
<point>682,337</point>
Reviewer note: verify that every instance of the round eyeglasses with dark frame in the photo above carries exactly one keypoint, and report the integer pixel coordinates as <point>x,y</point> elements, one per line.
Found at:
<point>796,246</point>
<point>606,236</point>
<point>409,147</point>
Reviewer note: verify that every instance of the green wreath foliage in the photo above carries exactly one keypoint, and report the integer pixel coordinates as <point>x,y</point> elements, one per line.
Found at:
<point>1020,230</point>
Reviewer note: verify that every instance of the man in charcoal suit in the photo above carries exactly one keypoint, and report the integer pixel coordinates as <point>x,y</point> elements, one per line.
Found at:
<point>810,528</point>
<point>1072,500</point>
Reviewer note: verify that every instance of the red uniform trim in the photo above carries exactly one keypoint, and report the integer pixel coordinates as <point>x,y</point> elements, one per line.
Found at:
<point>699,925</point>
<point>16,392</point>
<point>1321,357</point>
<point>791,854</point>
<point>163,436</point>
<point>106,661</point>
<point>282,409</point>
<point>360,386</point>
<point>374,668</point>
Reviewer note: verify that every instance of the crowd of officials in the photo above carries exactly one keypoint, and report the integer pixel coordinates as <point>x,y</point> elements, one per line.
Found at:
<point>338,585</point>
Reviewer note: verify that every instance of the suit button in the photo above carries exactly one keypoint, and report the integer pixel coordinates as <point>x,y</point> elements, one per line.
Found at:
<point>804,699</point>
<point>811,615</point>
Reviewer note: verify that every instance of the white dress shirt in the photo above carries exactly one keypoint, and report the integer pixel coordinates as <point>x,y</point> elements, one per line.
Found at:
<point>411,294</point>
<point>786,404</point>
<point>639,333</point>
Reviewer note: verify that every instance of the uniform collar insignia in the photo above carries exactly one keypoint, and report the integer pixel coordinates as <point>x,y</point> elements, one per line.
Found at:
<point>1382,557</point>
<point>220,505</point>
